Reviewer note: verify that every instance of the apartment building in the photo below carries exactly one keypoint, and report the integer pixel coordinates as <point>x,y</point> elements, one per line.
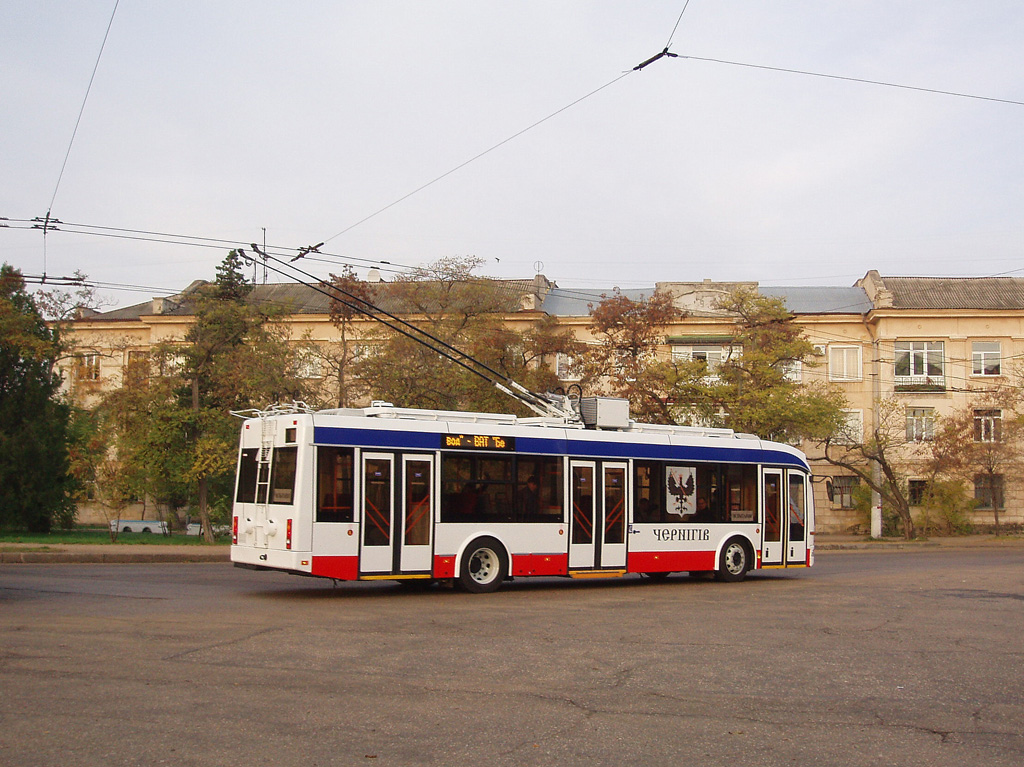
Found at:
<point>931,345</point>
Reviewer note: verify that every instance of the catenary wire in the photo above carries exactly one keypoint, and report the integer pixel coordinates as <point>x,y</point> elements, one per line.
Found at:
<point>851,79</point>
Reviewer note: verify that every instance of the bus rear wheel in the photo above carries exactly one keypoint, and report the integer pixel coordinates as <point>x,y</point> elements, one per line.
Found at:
<point>484,566</point>
<point>735,561</point>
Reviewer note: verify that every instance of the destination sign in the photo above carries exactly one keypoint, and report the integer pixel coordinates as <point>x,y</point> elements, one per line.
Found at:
<point>477,442</point>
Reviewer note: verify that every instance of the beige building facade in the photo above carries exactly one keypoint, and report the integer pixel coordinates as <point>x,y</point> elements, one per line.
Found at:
<point>928,346</point>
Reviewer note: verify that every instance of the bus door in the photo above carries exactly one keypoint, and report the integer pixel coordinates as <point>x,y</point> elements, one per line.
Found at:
<point>597,532</point>
<point>797,505</point>
<point>417,513</point>
<point>613,495</point>
<point>582,506</point>
<point>772,492</point>
<point>377,504</point>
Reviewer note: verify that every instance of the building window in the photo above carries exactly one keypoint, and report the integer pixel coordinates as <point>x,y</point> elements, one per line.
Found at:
<point>920,424</point>
<point>307,365</point>
<point>566,367</point>
<point>791,370</point>
<point>919,362</point>
<point>136,368</point>
<point>711,355</point>
<point>171,363</point>
<point>988,425</point>
<point>988,491</point>
<point>87,367</point>
<point>844,363</point>
<point>842,491</point>
<point>985,358</point>
<point>916,491</point>
<point>852,432</point>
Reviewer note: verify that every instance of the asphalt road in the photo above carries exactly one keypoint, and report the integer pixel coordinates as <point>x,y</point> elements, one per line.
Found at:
<point>868,659</point>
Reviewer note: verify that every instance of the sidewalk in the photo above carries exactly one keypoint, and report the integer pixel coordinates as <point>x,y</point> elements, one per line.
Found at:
<point>34,553</point>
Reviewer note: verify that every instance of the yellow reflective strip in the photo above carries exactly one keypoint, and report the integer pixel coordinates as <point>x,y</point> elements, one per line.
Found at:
<point>394,577</point>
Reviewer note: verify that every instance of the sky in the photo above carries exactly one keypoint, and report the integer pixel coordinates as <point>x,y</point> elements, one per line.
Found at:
<point>328,121</point>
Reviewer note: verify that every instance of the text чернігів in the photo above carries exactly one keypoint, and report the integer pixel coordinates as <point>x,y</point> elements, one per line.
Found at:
<point>682,534</point>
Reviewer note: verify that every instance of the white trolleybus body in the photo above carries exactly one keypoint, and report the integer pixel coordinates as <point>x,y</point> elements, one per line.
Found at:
<point>392,493</point>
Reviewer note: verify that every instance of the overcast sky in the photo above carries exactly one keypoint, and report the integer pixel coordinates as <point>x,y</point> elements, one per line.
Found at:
<point>219,119</point>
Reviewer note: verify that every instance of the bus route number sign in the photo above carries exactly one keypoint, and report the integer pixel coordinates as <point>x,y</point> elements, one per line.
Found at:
<point>477,442</point>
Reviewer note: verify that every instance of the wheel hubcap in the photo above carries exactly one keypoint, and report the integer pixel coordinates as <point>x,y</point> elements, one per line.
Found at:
<point>734,559</point>
<point>482,565</point>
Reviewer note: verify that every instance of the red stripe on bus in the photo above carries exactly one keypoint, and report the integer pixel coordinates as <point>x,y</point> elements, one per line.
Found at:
<point>540,564</point>
<point>444,567</point>
<point>670,561</point>
<point>342,568</point>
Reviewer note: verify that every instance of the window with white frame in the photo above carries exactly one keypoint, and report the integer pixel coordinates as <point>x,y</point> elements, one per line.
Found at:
<point>566,367</point>
<point>791,370</point>
<point>712,355</point>
<point>844,363</point>
<point>851,432</point>
<point>919,362</point>
<point>920,424</point>
<point>87,367</point>
<point>985,358</point>
<point>307,365</point>
<point>988,425</point>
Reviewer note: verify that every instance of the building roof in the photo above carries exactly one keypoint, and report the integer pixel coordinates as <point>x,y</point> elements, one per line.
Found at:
<point>576,302</point>
<point>821,300</point>
<point>953,292</point>
<point>299,298</point>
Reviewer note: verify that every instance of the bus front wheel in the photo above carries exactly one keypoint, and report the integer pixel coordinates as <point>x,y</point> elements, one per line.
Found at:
<point>735,561</point>
<point>484,566</point>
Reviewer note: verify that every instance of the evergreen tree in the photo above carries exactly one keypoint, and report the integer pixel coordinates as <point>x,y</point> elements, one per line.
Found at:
<point>35,483</point>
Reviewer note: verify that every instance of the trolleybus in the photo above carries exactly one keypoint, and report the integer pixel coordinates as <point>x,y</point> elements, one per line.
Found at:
<point>477,498</point>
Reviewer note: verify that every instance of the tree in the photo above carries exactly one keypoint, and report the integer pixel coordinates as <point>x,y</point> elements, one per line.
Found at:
<point>36,485</point>
<point>346,300</point>
<point>172,433</point>
<point>885,446</point>
<point>752,390</point>
<point>624,362</point>
<point>981,444</point>
<point>469,313</point>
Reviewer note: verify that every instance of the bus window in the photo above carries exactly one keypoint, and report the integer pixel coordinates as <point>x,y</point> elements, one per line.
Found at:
<point>282,475</point>
<point>741,493</point>
<point>539,489</point>
<point>417,502</point>
<point>475,489</point>
<point>772,507</point>
<point>797,507</point>
<point>334,484</point>
<point>583,504</point>
<point>246,490</point>
<point>649,502</point>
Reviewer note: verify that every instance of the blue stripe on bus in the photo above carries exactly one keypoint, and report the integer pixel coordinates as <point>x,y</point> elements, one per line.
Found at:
<point>418,440</point>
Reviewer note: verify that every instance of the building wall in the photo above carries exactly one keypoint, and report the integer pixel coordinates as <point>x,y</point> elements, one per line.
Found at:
<point>870,338</point>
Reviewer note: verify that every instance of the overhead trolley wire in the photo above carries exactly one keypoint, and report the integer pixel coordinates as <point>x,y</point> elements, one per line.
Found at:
<point>532,400</point>
<point>851,79</point>
<point>74,133</point>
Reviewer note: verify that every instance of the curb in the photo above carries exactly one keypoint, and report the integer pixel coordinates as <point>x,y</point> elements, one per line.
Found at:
<point>112,557</point>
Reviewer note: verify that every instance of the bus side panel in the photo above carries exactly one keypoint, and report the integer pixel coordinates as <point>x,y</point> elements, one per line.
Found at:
<point>535,549</point>
<point>444,566</point>
<point>340,568</point>
<point>540,564</point>
<point>670,561</point>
